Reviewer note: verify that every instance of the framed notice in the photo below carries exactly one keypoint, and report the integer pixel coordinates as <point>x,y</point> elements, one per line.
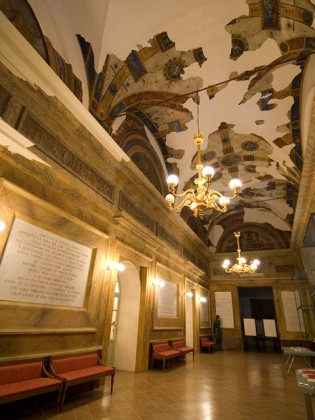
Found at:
<point>270,328</point>
<point>167,300</point>
<point>290,303</point>
<point>168,312</point>
<point>249,326</point>
<point>41,267</point>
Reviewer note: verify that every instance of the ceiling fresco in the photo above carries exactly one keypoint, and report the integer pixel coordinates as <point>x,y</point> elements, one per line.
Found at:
<point>158,72</point>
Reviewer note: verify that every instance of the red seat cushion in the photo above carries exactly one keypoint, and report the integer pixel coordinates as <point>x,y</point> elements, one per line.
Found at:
<point>206,342</point>
<point>87,372</point>
<point>185,349</point>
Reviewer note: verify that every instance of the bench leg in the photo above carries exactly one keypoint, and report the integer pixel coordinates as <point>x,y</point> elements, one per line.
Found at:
<point>59,399</point>
<point>164,364</point>
<point>112,383</point>
<point>63,396</point>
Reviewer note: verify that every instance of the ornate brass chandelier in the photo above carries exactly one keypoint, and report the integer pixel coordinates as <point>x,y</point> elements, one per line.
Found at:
<point>240,267</point>
<point>201,197</point>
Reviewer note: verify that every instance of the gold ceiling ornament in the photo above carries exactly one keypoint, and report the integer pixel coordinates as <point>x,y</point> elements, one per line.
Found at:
<point>201,197</point>
<point>240,267</point>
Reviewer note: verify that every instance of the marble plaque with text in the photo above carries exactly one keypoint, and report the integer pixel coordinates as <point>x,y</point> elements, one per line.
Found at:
<point>41,267</point>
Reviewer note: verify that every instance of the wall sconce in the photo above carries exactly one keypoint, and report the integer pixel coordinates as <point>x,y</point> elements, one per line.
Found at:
<point>202,299</point>
<point>2,226</point>
<point>158,283</point>
<point>189,294</point>
<point>116,266</point>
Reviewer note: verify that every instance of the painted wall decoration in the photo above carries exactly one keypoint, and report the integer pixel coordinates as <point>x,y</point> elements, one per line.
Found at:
<point>119,92</point>
<point>23,18</point>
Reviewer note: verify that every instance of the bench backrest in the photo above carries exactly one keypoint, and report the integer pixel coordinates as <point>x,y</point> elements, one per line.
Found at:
<point>160,347</point>
<point>178,344</point>
<point>20,372</point>
<point>69,364</point>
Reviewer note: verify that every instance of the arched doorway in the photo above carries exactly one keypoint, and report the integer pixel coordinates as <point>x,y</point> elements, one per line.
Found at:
<point>127,318</point>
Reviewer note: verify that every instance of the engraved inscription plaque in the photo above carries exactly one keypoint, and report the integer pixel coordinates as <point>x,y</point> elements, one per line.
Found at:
<point>41,267</point>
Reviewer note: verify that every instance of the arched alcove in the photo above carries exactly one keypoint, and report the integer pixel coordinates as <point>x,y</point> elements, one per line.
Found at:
<point>128,317</point>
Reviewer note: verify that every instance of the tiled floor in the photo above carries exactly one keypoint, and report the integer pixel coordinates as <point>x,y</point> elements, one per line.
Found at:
<point>225,385</point>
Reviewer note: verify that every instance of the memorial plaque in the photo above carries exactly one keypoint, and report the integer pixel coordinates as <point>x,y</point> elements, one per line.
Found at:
<point>224,308</point>
<point>290,302</point>
<point>204,312</point>
<point>167,301</point>
<point>41,267</point>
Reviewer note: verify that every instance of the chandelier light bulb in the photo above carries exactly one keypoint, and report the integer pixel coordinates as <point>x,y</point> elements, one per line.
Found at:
<point>226,263</point>
<point>242,260</point>
<point>224,201</point>
<point>235,184</point>
<point>172,180</point>
<point>207,172</point>
<point>170,198</point>
<point>193,205</point>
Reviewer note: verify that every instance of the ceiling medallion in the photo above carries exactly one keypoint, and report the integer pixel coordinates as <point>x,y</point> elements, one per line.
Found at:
<point>174,69</point>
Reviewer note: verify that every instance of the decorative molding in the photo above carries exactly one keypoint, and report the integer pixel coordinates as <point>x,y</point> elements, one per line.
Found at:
<point>55,150</point>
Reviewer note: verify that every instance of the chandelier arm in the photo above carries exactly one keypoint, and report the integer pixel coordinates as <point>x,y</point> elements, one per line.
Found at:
<point>184,193</point>
<point>189,198</point>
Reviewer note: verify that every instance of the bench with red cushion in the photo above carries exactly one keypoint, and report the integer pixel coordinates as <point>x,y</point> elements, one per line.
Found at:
<point>25,380</point>
<point>164,352</point>
<point>206,343</point>
<point>181,346</point>
<point>79,369</point>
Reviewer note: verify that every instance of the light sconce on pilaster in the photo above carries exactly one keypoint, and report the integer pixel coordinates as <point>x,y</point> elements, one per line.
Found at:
<point>2,226</point>
<point>202,299</point>
<point>189,294</point>
<point>116,266</point>
<point>158,283</point>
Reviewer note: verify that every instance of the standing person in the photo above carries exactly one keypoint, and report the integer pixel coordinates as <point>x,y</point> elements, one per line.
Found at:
<point>217,333</point>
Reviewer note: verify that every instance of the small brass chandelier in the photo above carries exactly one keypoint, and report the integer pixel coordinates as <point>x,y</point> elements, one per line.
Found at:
<point>202,197</point>
<point>240,267</point>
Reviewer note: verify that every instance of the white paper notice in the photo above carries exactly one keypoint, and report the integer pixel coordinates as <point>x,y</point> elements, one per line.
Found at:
<point>249,326</point>
<point>224,308</point>
<point>167,300</point>
<point>270,328</point>
<point>41,267</point>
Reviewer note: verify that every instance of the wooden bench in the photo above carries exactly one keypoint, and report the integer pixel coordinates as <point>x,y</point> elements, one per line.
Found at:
<point>78,369</point>
<point>206,343</point>
<point>181,346</point>
<point>23,380</point>
<point>163,351</point>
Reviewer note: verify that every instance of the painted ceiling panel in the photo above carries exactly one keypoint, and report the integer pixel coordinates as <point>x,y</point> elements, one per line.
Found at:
<point>146,61</point>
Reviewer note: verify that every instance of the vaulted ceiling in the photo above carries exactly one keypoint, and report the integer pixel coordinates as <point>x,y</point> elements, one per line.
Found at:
<point>155,73</point>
